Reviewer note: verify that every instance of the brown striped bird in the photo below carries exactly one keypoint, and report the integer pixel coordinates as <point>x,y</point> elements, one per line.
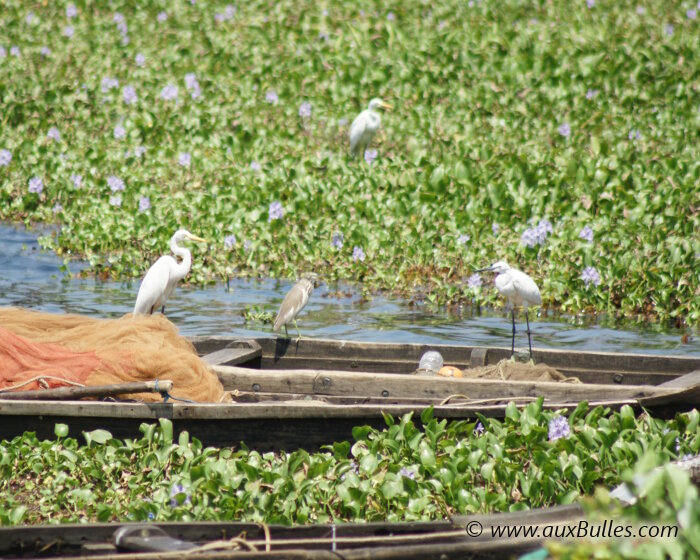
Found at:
<point>294,302</point>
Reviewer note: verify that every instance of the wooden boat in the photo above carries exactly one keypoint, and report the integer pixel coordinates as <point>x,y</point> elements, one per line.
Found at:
<point>306,393</point>
<point>457,537</point>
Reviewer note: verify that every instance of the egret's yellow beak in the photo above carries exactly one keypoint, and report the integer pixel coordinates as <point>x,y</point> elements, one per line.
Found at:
<point>386,106</point>
<point>196,238</point>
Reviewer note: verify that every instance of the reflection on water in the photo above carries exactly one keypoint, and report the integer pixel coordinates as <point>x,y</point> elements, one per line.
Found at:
<point>32,278</point>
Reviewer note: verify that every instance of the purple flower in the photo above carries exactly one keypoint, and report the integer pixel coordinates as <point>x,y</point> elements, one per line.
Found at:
<point>495,228</point>
<point>370,155</point>
<point>391,16</point>
<point>692,13</point>
<point>140,59</point>
<point>169,92</point>
<point>358,254</point>
<point>255,166</point>
<point>45,51</point>
<point>109,83</point>
<point>139,151</point>
<point>342,122</point>
<point>176,492</point>
<point>590,4</point>
<point>586,234</point>
<point>68,31</point>
<point>71,11</point>
<point>36,185</point>
<point>118,18</point>
<point>77,180</point>
<point>144,204</point>
<point>641,10</point>
<point>115,200</point>
<point>115,183</point>
<point>162,16</point>
<point>5,157</point>
<point>323,36</point>
<point>536,235</point>
<point>305,110</point>
<point>276,211</point>
<point>184,159</point>
<point>337,240</point>
<point>590,276</point>
<point>14,50</point>
<point>272,97</point>
<point>462,239</point>
<point>247,244</point>
<point>591,93</point>
<point>558,428</point>
<point>3,52</point>
<point>54,134</point>
<point>229,241</point>
<point>408,473</point>
<point>565,130</point>
<point>121,26</point>
<point>192,85</point>
<point>119,132</point>
<point>227,15</point>
<point>31,18</point>
<point>668,29</point>
<point>129,95</point>
<point>479,429</point>
<point>474,281</point>
<point>634,134</point>
<point>57,208</point>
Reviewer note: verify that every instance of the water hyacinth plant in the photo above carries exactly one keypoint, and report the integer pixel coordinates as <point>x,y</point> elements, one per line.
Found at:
<point>489,133</point>
<point>414,469</point>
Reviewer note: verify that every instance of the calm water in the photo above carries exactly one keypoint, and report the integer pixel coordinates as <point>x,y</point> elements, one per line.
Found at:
<point>32,278</point>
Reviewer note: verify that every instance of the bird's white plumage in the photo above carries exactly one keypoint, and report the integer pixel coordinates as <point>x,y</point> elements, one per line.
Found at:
<point>160,280</point>
<point>365,126</point>
<point>293,303</point>
<point>518,288</point>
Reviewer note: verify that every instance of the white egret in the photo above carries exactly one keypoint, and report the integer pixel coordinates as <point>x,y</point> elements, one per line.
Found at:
<point>365,126</point>
<point>160,280</point>
<point>519,289</point>
<point>294,302</point>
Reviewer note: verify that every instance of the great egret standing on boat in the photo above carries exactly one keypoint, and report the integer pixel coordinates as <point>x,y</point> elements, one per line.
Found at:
<point>519,289</point>
<point>294,302</point>
<point>160,280</point>
<point>365,126</point>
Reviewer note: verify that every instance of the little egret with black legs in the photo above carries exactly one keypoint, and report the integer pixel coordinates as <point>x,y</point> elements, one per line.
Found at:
<point>519,289</point>
<point>294,302</point>
<point>160,280</point>
<point>365,126</point>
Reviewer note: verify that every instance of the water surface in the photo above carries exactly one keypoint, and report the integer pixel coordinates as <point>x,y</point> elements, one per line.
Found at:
<point>33,279</point>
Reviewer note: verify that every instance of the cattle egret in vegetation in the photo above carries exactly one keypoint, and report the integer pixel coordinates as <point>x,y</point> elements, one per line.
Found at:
<point>294,302</point>
<point>365,126</point>
<point>160,280</point>
<point>519,289</point>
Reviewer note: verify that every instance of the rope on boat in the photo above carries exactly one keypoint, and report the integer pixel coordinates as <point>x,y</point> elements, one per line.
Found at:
<point>41,380</point>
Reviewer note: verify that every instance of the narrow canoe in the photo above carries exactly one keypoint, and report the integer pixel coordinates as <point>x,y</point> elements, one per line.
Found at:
<point>289,394</point>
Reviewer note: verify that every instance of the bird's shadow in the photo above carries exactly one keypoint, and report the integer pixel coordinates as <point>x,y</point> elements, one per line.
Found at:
<point>283,345</point>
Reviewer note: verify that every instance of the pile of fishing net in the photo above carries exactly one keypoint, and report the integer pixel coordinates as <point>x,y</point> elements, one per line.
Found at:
<point>45,350</point>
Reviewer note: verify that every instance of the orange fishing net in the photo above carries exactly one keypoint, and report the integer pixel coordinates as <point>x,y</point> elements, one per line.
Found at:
<point>101,352</point>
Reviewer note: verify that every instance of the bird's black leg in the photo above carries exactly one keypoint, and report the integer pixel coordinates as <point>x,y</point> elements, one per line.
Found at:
<point>286,332</point>
<point>512,346</point>
<point>162,310</point>
<point>529,341</point>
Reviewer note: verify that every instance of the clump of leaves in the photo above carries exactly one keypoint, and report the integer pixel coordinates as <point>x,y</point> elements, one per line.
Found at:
<point>407,471</point>
<point>568,157</point>
<point>258,314</point>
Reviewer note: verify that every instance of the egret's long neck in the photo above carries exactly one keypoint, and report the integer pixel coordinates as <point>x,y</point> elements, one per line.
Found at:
<point>183,267</point>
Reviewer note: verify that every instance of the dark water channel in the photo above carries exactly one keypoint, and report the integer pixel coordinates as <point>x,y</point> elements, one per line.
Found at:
<point>32,278</point>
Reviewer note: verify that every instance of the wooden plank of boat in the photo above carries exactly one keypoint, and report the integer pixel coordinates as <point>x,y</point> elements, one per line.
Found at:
<point>420,540</point>
<point>234,353</point>
<point>595,367</point>
<point>323,382</point>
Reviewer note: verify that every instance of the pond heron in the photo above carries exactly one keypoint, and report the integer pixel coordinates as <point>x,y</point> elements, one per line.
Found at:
<point>294,302</point>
